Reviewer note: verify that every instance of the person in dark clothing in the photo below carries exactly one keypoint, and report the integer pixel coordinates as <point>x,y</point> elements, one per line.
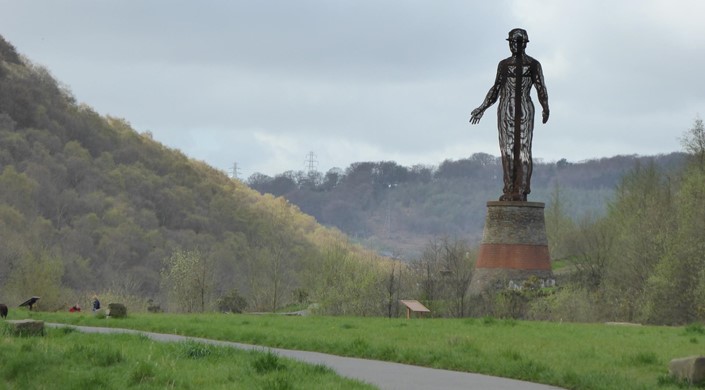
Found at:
<point>96,303</point>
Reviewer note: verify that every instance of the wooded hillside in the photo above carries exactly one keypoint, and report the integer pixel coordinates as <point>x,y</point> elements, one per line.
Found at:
<point>88,205</point>
<point>398,210</point>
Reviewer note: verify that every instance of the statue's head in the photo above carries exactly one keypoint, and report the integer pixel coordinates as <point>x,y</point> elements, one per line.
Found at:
<point>517,40</point>
<point>518,35</point>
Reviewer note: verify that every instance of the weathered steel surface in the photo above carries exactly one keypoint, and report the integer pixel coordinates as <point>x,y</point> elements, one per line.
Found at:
<point>516,75</point>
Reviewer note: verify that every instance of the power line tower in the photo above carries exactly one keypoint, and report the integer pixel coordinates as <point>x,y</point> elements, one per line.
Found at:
<point>235,171</point>
<point>311,163</point>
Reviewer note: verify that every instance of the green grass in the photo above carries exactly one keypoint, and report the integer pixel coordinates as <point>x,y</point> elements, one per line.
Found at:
<point>560,265</point>
<point>66,359</point>
<point>574,356</point>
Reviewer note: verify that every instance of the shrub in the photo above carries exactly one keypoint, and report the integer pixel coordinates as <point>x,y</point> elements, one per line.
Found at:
<point>568,303</point>
<point>117,310</point>
<point>232,302</point>
<point>695,328</point>
<point>153,307</point>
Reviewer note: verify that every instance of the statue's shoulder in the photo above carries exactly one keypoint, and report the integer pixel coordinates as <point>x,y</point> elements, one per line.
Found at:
<point>532,60</point>
<point>506,61</point>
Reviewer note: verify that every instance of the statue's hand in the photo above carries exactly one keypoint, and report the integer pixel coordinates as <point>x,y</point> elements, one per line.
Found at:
<point>545,115</point>
<point>476,116</point>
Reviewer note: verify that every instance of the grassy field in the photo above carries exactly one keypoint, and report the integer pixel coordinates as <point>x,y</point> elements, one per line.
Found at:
<point>66,359</point>
<point>574,356</point>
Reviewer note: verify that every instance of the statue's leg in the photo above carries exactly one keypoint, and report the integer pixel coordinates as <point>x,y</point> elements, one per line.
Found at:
<point>527,160</point>
<point>527,132</point>
<point>507,162</point>
<point>506,142</point>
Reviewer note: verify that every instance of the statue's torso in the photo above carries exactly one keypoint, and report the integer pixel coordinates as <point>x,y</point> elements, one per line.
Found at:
<point>509,76</point>
<point>507,107</point>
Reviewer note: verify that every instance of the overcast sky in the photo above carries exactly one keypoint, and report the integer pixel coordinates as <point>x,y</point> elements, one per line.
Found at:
<point>263,83</point>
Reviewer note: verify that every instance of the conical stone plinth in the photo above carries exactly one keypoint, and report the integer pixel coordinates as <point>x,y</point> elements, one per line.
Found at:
<point>514,247</point>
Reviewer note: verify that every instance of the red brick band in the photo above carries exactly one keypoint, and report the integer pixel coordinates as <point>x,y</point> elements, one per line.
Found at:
<point>514,256</point>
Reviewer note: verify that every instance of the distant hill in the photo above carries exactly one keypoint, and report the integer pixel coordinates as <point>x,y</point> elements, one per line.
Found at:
<point>88,205</point>
<point>397,210</point>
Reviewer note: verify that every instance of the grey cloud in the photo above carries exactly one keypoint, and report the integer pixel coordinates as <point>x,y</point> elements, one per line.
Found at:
<point>372,79</point>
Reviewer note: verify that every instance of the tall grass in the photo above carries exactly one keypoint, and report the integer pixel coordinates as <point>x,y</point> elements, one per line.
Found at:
<point>570,355</point>
<point>64,359</point>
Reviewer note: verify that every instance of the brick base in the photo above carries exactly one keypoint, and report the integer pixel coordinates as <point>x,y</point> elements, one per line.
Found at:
<point>514,256</point>
<point>514,246</point>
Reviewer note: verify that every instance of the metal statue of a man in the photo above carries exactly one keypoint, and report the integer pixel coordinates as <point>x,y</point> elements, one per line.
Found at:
<point>515,114</point>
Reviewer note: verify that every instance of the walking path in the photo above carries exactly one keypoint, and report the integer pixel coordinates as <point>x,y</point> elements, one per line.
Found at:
<point>385,375</point>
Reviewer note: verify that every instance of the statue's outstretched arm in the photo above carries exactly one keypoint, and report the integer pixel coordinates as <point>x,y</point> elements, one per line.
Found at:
<point>541,90</point>
<point>491,97</point>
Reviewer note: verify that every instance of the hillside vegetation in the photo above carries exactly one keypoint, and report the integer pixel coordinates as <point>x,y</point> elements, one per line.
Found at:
<point>398,210</point>
<point>88,205</point>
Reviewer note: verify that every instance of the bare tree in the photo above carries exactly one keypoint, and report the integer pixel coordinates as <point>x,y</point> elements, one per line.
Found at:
<point>188,279</point>
<point>693,141</point>
<point>458,263</point>
<point>591,249</point>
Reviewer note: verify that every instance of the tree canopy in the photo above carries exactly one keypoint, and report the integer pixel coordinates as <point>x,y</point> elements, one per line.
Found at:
<point>100,208</point>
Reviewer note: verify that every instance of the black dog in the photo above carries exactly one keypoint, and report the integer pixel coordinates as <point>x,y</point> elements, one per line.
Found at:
<point>3,310</point>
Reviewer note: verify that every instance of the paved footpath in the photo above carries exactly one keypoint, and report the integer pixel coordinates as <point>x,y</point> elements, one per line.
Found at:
<point>385,375</point>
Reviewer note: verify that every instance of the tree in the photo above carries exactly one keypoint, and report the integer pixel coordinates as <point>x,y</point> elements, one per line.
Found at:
<point>331,179</point>
<point>693,141</point>
<point>282,184</point>
<point>187,277</point>
<point>78,163</point>
<point>559,225</point>
<point>37,273</point>
<point>427,269</point>
<point>458,265</point>
<point>642,219</point>
<point>258,180</point>
<point>590,247</point>
<point>393,285</point>
<point>13,226</point>
<point>347,282</point>
<point>276,254</point>
<point>444,272</point>
<point>677,285</point>
<point>421,173</point>
<point>18,190</point>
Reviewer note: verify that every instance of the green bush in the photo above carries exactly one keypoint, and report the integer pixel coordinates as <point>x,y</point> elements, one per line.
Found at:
<point>232,302</point>
<point>695,328</point>
<point>117,310</point>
